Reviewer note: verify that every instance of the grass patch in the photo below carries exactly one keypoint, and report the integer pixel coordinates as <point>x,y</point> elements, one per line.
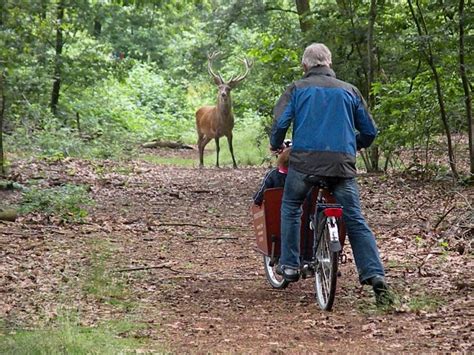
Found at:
<point>369,307</point>
<point>397,264</point>
<point>424,302</point>
<point>402,303</point>
<point>102,283</point>
<point>175,161</point>
<point>67,202</point>
<point>68,337</point>
<point>247,151</point>
<point>54,143</point>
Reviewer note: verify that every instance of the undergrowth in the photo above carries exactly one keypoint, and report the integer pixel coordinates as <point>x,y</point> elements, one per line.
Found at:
<point>67,202</point>
<point>67,336</point>
<point>101,282</point>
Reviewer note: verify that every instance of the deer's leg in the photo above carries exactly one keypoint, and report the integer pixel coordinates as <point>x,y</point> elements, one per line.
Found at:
<point>229,140</point>
<point>217,151</point>
<point>202,142</point>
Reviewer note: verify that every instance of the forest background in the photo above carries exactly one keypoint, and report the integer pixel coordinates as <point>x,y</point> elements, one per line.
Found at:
<point>111,245</point>
<point>95,79</point>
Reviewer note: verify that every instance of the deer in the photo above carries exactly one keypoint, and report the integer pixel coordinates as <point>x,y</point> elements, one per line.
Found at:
<point>214,122</point>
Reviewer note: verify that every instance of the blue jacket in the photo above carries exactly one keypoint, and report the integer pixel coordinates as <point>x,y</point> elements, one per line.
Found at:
<point>330,123</point>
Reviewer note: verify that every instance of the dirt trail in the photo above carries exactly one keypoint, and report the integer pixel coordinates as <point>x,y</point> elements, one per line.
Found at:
<point>181,240</point>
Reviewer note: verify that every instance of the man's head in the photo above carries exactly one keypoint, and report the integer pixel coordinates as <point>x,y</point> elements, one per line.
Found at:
<point>316,54</point>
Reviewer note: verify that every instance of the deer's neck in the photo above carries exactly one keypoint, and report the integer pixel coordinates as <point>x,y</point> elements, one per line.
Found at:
<point>224,108</point>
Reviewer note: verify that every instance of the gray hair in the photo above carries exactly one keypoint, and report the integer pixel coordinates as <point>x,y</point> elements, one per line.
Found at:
<point>317,54</point>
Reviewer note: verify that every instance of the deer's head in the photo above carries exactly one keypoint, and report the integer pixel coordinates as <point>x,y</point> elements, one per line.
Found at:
<point>224,87</point>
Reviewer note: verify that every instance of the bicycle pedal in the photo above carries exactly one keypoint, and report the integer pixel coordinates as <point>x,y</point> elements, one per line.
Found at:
<point>307,272</point>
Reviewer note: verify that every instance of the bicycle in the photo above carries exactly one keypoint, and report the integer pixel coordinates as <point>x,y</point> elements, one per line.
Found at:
<point>322,239</point>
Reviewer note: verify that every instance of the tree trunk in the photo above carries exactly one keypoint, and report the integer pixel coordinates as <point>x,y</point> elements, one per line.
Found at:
<point>423,32</point>
<point>2,113</point>
<point>348,11</point>
<point>374,153</point>
<point>97,28</point>
<point>3,12</point>
<point>465,84</point>
<point>44,9</point>
<point>303,8</point>
<point>57,60</point>
<point>166,144</point>
<point>370,52</point>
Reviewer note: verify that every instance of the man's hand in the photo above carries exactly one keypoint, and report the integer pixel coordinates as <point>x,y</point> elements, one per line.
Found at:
<point>277,150</point>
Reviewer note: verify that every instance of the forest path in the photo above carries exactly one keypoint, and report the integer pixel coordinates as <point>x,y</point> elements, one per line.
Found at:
<point>178,246</point>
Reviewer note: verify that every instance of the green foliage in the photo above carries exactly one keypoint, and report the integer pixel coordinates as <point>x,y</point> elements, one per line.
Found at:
<point>131,71</point>
<point>147,104</point>
<point>67,202</point>
<point>403,116</point>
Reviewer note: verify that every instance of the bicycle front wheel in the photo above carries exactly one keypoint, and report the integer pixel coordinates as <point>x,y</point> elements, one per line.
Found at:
<point>326,268</point>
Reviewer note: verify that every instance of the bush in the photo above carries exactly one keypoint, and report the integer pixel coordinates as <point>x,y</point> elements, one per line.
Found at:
<point>66,202</point>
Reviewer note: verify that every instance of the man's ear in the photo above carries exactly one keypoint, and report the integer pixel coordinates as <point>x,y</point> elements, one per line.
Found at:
<point>305,68</point>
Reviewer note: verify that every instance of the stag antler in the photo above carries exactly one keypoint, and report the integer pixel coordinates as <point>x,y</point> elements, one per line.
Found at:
<point>235,80</point>
<point>217,77</point>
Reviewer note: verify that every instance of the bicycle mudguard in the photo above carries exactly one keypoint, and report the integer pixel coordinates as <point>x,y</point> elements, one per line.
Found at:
<point>334,243</point>
<point>335,246</point>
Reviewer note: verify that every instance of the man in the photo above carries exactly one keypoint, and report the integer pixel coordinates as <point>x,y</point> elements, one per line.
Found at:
<point>325,113</point>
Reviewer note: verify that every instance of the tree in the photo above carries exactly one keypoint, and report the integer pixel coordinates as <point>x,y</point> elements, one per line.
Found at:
<point>372,160</point>
<point>57,57</point>
<point>304,11</point>
<point>428,54</point>
<point>466,88</point>
<point>2,113</point>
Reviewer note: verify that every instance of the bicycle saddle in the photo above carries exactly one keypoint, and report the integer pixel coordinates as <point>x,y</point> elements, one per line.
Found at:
<point>324,182</point>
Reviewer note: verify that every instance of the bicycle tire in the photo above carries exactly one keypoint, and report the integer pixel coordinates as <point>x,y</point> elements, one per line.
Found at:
<point>326,268</point>
<point>275,280</point>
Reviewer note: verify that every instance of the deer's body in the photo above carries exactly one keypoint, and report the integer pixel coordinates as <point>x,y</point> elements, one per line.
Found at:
<point>214,122</point>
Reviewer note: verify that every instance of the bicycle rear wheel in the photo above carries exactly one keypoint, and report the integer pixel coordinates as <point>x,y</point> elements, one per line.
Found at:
<point>273,278</point>
<point>326,268</point>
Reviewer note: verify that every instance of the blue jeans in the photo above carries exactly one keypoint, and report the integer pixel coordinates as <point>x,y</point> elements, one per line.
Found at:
<point>361,238</point>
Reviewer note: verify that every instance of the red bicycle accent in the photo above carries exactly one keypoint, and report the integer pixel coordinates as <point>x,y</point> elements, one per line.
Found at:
<point>333,212</point>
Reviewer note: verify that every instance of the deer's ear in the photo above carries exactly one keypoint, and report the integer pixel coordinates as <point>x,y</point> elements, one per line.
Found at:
<point>233,84</point>
<point>217,80</point>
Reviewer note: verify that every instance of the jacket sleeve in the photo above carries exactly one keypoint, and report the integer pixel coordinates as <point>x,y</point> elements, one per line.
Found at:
<point>283,114</point>
<point>364,123</point>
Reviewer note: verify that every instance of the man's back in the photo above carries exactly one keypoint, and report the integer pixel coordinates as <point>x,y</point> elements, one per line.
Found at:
<point>326,112</point>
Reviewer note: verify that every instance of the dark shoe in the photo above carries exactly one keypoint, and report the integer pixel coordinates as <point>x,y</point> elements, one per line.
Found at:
<point>290,274</point>
<point>383,296</point>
